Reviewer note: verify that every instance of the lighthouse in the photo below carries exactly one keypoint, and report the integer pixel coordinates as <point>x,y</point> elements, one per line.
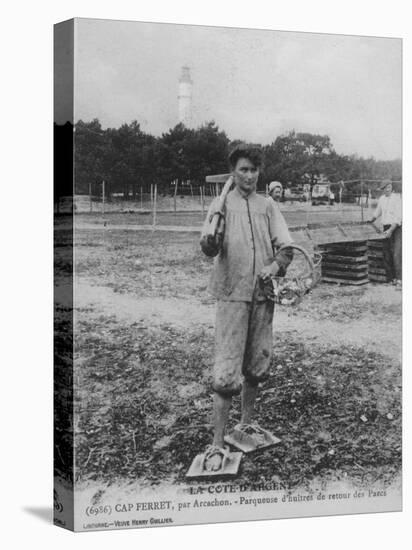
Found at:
<point>185,97</point>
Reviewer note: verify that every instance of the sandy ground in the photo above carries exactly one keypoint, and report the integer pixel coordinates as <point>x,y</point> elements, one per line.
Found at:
<point>368,331</point>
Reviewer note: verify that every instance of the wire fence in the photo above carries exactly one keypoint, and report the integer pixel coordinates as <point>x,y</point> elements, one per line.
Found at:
<point>191,212</point>
<point>187,205</point>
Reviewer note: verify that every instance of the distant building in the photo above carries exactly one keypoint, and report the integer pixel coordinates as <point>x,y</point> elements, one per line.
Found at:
<point>185,97</point>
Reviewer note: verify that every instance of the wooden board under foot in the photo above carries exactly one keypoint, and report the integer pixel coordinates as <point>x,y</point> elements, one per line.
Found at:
<point>230,470</point>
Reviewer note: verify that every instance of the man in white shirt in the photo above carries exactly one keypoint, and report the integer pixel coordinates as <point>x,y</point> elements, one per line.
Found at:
<point>389,209</point>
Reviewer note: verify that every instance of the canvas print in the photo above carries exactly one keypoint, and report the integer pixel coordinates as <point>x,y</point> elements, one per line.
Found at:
<point>228,274</point>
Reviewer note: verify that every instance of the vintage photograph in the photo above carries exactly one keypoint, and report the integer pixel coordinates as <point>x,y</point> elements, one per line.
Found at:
<point>228,274</point>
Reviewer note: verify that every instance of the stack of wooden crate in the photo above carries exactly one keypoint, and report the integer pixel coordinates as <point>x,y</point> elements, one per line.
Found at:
<point>352,253</point>
<point>376,266</point>
<point>345,262</point>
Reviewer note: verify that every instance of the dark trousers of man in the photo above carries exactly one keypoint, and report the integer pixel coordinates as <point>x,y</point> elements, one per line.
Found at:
<point>392,253</point>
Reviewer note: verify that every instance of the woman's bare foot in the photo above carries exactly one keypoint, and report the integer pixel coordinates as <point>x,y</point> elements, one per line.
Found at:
<point>214,457</point>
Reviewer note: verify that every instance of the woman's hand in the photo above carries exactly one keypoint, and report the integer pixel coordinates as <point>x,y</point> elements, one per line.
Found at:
<point>269,271</point>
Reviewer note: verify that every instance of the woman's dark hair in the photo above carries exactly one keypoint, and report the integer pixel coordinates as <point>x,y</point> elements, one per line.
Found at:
<point>246,151</point>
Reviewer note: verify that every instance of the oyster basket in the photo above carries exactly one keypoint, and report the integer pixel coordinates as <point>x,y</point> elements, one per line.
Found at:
<point>289,290</point>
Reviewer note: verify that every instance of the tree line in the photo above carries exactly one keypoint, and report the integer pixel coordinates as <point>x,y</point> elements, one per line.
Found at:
<point>129,159</point>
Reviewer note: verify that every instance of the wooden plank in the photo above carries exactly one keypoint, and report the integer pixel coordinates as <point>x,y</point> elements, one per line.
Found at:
<point>218,178</point>
<point>375,247</point>
<point>343,266</point>
<point>377,258</point>
<point>344,281</point>
<point>345,274</point>
<point>375,271</point>
<point>359,232</point>
<point>373,267</point>
<point>326,235</point>
<point>347,244</point>
<point>344,247</point>
<point>347,259</point>
<point>376,262</point>
<point>347,253</point>
<point>378,278</point>
<point>376,244</point>
<point>342,260</point>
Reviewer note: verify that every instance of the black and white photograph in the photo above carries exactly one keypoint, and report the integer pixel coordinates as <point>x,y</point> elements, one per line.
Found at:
<point>228,274</point>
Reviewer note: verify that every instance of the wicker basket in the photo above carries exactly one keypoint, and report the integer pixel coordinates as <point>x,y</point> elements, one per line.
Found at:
<point>290,290</point>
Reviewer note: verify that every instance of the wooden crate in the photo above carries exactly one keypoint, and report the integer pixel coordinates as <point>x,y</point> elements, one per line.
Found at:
<point>352,253</point>
<point>345,262</point>
<point>376,266</point>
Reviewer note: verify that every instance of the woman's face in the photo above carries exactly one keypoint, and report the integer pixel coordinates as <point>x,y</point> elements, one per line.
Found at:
<point>245,175</point>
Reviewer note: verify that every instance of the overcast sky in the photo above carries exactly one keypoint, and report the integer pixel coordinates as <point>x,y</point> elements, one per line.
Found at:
<point>254,84</point>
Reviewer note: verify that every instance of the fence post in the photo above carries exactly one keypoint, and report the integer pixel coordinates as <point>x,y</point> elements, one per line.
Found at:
<point>154,206</point>
<point>202,199</point>
<point>103,195</point>
<point>174,196</point>
<point>361,193</point>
